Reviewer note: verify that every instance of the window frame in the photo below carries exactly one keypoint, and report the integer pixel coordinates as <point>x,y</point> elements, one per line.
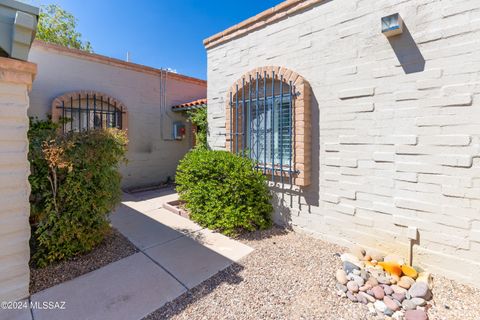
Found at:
<point>266,154</point>
<point>301,125</point>
<point>104,105</point>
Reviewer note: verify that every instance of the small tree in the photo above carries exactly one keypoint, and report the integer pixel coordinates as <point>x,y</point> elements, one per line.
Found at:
<point>55,25</point>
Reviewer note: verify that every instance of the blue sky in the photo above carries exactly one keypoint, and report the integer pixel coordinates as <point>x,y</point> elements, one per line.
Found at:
<point>158,33</point>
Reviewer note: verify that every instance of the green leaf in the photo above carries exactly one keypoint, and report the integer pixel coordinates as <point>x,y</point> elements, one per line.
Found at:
<point>224,192</point>
<point>57,26</point>
<point>72,220</point>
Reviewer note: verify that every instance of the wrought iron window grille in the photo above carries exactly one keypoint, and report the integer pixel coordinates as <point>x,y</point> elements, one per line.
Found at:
<point>90,112</point>
<point>262,124</point>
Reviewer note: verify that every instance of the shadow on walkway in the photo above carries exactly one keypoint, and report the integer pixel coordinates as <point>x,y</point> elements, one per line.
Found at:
<point>229,275</point>
<point>176,260</point>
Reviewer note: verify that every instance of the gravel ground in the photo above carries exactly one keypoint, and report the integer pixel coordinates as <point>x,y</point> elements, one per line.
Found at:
<point>113,248</point>
<point>292,276</point>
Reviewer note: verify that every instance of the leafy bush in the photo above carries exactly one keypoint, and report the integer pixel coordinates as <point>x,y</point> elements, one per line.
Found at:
<point>224,192</point>
<point>75,184</point>
<point>199,118</point>
<point>39,132</point>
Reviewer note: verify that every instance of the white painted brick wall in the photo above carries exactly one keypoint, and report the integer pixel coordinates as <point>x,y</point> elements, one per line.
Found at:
<point>391,149</point>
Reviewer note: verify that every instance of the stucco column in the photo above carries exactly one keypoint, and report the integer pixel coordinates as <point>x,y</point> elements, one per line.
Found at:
<point>15,81</point>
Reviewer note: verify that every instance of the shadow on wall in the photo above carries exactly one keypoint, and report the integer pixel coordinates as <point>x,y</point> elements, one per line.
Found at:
<point>290,199</point>
<point>407,52</point>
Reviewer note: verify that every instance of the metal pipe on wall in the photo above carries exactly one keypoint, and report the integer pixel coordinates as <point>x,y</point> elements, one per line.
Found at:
<point>163,105</point>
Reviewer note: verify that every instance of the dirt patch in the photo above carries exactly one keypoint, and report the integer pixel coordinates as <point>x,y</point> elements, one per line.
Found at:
<point>114,247</point>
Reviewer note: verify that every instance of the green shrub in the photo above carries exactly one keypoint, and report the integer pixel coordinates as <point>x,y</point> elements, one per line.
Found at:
<point>75,184</point>
<point>224,192</point>
<point>199,118</point>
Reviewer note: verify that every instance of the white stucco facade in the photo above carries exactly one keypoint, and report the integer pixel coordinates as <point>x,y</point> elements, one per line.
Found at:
<point>152,159</point>
<point>395,122</point>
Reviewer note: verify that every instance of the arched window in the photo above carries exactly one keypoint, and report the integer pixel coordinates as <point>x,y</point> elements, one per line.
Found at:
<point>267,120</point>
<point>86,110</point>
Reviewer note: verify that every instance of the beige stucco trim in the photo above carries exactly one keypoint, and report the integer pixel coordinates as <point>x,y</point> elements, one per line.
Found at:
<point>75,95</point>
<point>260,20</point>
<point>16,71</point>
<point>113,62</point>
<point>15,80</point>
<point>301,138</point>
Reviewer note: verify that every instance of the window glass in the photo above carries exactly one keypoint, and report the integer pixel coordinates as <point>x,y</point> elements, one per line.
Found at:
<point>95,114</point>
<point>269,131</point>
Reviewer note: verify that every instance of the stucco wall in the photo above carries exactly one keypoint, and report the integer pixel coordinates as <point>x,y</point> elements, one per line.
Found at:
<point>395,123</point>
<point>15,80</point>
<point>150,158</point>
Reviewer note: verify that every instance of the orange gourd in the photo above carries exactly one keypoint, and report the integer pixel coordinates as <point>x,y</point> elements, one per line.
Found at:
<point>391,267</point>
<point>409,271</point>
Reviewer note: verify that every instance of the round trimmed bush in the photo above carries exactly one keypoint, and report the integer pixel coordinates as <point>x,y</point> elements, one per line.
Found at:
<point>223,191</point>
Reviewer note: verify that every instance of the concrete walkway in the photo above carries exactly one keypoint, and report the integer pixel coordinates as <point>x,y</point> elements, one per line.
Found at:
<point>175,255</point>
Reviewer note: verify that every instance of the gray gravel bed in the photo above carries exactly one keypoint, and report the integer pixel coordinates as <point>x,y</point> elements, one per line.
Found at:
<point>292,276</point>
<point>114,247</point>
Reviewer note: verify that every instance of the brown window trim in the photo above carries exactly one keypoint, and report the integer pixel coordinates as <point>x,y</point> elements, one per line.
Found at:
<point>65,99</point>
<point>301,114</point>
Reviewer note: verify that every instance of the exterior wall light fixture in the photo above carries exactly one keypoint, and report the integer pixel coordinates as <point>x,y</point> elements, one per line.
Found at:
<point>392,25</point>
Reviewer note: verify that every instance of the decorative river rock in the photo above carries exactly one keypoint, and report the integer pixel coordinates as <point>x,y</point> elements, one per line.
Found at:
<point>387,285</point>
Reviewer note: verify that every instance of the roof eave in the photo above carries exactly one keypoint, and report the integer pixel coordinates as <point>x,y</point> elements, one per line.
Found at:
<point>260,20</point>
<point>178,109</point>
<point>113,61</point>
